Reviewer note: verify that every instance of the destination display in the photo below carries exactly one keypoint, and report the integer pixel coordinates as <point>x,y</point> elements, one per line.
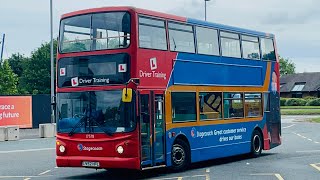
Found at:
<point>93,70</point>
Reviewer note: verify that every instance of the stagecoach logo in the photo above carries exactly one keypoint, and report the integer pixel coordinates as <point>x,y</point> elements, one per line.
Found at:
<point>153,63</point>
<point>193,132</point>
<point>86,148</point>
<point>75,81</point>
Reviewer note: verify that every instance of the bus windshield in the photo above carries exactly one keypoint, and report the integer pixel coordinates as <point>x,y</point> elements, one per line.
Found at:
<point>98,31</point>
<point>94,112</point>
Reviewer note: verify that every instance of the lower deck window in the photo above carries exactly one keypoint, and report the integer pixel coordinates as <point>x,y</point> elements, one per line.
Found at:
<point>253,105</point>
<point>233,105</point>
<point>210,105</point>
<point>183,106</point>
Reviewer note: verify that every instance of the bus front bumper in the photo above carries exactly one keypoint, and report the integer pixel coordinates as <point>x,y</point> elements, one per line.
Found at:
<point>104,162</point>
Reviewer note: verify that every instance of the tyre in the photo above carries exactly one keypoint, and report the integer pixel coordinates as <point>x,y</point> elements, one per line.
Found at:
<point>256,144</point>
<point>180,155</point>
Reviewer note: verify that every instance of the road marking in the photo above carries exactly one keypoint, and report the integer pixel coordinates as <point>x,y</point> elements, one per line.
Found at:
<point>310,139</point>
<point>315,166</point>
<point>180,178</point>
<point>207,177</point>
<point>45,172</point>
<point>26,178</point>
<point>29,139</point>
<point>26,150</point>
<point>308,151</point>
<point>56,167</point>
<point>316,142</point>
<point>6,177</point>
<point>207,170</point>
<point>289,126</point>
<point>279,177</point>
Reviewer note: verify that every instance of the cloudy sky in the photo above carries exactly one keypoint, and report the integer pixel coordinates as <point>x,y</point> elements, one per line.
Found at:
<point>295,23</point>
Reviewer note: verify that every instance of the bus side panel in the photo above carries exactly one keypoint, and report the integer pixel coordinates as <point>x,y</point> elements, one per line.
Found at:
<point>215,141</point>
<point>273,118</point>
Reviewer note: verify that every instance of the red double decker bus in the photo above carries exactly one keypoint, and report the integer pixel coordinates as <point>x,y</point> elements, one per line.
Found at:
<point>138,89</point>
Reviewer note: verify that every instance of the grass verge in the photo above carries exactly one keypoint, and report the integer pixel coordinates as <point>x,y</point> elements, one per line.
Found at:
<point>316,120</point>
<point>300,111</point>
<point>300,107</point>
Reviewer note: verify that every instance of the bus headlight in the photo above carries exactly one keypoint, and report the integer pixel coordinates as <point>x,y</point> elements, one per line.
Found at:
<point>62,149</point>
<point>120,149</point>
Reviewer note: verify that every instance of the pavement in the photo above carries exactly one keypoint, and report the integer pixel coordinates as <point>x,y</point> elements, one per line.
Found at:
<point>297,158</point>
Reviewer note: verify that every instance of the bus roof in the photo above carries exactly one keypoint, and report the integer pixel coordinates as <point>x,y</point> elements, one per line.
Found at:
<point>170,17</point>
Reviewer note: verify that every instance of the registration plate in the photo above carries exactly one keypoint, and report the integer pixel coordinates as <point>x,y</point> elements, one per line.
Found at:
<point>90,164</point>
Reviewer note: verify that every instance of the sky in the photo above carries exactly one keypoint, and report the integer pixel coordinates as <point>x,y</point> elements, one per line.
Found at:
<point>295,23</point>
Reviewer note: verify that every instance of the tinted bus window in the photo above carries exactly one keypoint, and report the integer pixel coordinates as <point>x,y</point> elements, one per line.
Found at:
<point>152,34</point>
<point>250,47</point>
<point>183,106</point>
<point>230,45</point>
<point>267,48</point>
<point>95,32</point>
<point>181,38</point>
<point>233,105</point>
<point>207,41</point>
<point>210,105</point>
<point>253,104</point>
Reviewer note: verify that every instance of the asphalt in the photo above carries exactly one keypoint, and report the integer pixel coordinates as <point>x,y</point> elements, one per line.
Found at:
<point>297,158</point>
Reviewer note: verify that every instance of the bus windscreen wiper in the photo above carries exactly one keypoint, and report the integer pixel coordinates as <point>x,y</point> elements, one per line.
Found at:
<point>101,127</point>
<point>79,124</point>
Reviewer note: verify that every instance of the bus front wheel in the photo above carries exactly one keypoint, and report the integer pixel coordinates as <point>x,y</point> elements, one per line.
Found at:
<point>256,144</point>
<point>180,155</point>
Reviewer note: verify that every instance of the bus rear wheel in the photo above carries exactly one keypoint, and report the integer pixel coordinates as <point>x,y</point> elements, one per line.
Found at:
<point>180,155</point>
<point>256,144</point>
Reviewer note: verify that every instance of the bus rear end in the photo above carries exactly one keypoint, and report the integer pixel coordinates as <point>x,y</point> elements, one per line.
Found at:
<point>96,128</point>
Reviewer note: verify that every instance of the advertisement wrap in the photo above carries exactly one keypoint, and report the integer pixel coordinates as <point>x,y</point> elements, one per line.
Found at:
<point>16,111</point>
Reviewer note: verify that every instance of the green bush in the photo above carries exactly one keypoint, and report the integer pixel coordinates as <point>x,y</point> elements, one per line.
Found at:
<point>314,102</point>
<point>296,102</point>
<point>309,98</point>
<point>283,101</point>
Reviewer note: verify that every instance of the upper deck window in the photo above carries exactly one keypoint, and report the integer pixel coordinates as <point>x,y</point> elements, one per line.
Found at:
<point>152,34</point>
<point>250,47</point>
<point>181,37</point>
<point>230,44</point>
<point>267,48</point>
<point>95,32</point>
<point>207,41</point>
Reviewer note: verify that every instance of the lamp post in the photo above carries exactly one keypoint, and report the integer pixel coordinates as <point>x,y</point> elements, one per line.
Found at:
<point>2,47</point>
<point>205,9</point>
<point>51,64</point>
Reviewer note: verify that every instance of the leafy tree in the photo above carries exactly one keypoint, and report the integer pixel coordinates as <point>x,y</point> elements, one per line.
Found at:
<point>16,62</point>
<point>8,80</point>
<point>36,73</point>
<point>287,66</point>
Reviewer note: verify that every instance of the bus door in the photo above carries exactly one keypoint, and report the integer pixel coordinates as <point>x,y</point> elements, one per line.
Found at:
<point>152,129</point>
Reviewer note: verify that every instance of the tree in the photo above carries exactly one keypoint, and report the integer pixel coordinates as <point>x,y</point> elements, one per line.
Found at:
<point>35,77</point>
<point>287,66</point>
<point>8,80</point>
<point>16,63</point>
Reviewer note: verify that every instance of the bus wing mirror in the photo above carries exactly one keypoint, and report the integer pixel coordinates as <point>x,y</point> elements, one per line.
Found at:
<point>127,95</point>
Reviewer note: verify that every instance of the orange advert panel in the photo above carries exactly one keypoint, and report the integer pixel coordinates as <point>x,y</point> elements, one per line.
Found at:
<point>16,110</point>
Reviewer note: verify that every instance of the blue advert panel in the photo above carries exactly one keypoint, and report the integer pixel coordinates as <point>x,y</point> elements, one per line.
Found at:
<point>216,141</point>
